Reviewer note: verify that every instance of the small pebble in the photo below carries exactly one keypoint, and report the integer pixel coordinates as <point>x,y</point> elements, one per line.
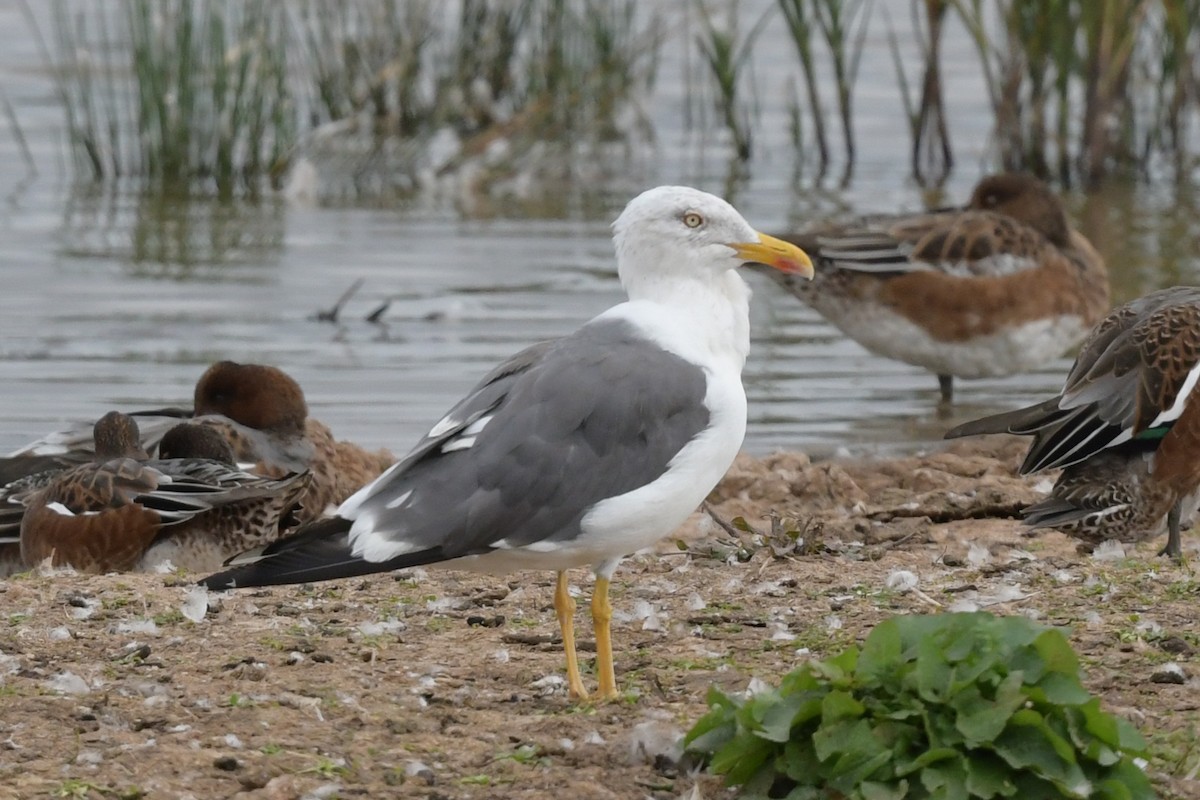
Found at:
<point>419,770</point>
<point>1169,673</point>
<point>226,763</point>
<point>901,580</point>
<point>68,683</point>
<point>1174,644</point>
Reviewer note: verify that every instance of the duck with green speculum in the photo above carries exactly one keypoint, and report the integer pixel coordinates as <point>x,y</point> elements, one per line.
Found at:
<point>1125,427</point>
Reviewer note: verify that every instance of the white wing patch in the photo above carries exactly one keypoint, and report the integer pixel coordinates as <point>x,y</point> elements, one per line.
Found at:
<point>994,265</point>
<point>375,546</point>
<point>63,511</point>
<point>466,438</point>
<point>444,425</point>
<point>396,502</point>
<point>1185,391</point>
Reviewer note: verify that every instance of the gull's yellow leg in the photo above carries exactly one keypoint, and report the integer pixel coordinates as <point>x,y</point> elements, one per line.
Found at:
<point>602,619</point>
<point>564,606</point>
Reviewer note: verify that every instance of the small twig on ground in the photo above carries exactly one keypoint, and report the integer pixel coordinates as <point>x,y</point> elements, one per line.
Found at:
<point>881,548</point>
<point>724,524</point>
<point>917,593</point>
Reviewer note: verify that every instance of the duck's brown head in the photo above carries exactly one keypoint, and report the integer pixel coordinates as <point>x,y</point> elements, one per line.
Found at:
<point>1024,197</point>
<point>117,436</point>
<point>257,396</point>
<point>188,440</point>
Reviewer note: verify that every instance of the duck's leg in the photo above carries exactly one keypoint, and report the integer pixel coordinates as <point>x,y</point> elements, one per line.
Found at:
<point>601,620</point>
<point>946,384</point>
<point>564,607</point>
<point>1174,546</point>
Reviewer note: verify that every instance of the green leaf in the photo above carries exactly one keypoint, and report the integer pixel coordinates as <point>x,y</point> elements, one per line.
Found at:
<point>806,793</point>
<point>800,679</point>
<point>925,759</point>
<point>981,719</point>
<point>1113,790</point>
<point>872,790</point>
<point>1102,726</point>
<point>945,779</point>
<point>779,716</point>
<point>839,705</point>
<point>741,757</point>
<point>1128,775</point>
<point>849,771</point>
<point>1029,743</point>
<point>847,736</point>
<point>715,727</point>
<point>1130,740</point>
<point>800,762</point>
<point>749,715</point>
<point>710,740</point>
<point>880,657</point>
<point>1059,689</point>
<point>1051,652</point>
<point>933,673</point>
<point>988,776</point>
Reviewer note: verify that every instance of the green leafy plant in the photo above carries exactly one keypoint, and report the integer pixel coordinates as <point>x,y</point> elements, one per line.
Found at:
<point>941,706</point>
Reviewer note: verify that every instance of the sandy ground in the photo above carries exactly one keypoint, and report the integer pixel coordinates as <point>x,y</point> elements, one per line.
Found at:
<point>446,685</point>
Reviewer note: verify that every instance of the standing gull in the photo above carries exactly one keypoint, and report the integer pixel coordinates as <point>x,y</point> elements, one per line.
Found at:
<point>578,450</point>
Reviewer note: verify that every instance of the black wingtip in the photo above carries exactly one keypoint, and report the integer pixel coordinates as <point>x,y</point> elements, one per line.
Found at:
<point>318,551</point>
<point>1022,421</point>
<point>314,552</point>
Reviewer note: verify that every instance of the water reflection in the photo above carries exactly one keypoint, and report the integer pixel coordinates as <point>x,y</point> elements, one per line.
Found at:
<point>174,237</point>
<point>1148,234</point>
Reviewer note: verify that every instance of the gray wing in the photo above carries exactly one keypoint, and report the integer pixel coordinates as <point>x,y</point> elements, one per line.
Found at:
<point>543,438</point>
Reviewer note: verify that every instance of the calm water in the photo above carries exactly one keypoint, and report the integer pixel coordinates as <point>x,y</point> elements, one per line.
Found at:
<point>113,301</point>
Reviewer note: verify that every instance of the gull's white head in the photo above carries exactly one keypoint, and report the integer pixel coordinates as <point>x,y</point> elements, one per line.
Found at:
<point>676,232</point>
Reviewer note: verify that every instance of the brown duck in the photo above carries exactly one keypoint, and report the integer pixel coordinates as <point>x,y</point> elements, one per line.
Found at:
<point>1126,427</point>
<point>125,512</point>
<point>998,287</point>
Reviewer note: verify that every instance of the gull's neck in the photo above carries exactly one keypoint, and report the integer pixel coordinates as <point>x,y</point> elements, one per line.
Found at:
<point>708,315</point>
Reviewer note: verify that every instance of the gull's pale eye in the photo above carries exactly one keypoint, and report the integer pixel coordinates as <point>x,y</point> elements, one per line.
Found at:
<point>692,219</point>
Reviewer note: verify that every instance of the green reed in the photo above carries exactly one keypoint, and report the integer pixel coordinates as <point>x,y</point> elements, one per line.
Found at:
<point>589,58</point>
<point>1078,89</point>
<point>932,156</point>
<point>222,94</point>
<point>841,26</point>
<point>726,53</point>
<point>1084,89</point>
<point>175,91</point>
<point>368,61</point>
<point>802,26</point>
